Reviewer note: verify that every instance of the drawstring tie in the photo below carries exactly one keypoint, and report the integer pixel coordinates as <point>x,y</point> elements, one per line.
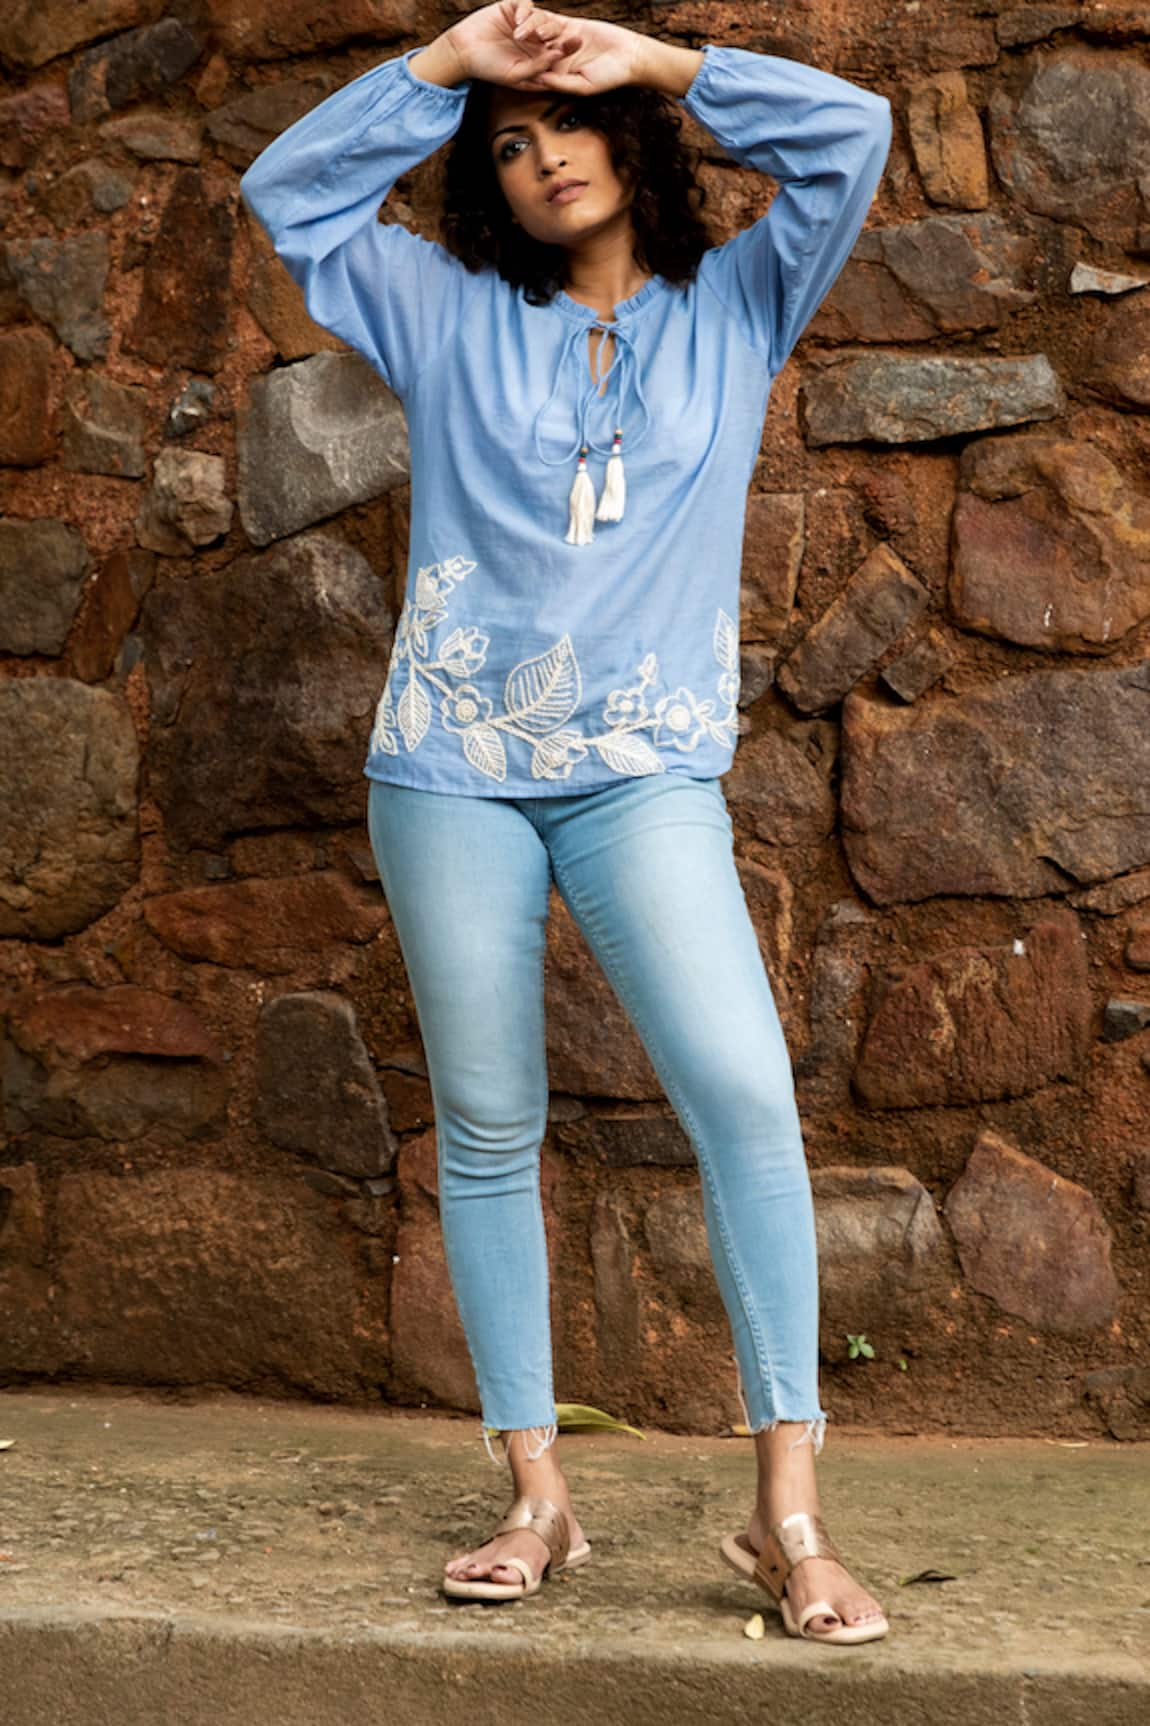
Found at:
<point>582,509</point>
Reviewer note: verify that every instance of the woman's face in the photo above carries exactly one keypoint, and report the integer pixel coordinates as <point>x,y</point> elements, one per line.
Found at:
<point>538,140</point>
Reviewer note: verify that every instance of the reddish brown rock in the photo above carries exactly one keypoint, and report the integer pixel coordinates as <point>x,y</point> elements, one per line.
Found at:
<point>1032,1240</point>
<point>1137,954</point>
<point>979,1022</point>
<point>229,1279</point>
<point>271,926</point>
<point>267,30</point>
<point>846,642</point>
<point>29,117</point>
<point>112,601</point>
<point>779,790</point>
<point>30,1343</point>
<point>592,1045</point>
<point>62,1075</point>
<point>987,792</point>
<point>31,379</point>
<point>920,667</point>
<point>946,137</point>
<point>772,553</point>
<point>1051,545</point>
<point>184,314</point>
<point>33,32</point>
<point>1118,363</point>
<point>79,1023</point>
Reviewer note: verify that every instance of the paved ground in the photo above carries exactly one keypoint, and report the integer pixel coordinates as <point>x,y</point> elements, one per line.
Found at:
<point>166,1559</point>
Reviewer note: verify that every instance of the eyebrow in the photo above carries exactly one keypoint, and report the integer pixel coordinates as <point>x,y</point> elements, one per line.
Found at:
<point>519,126</point>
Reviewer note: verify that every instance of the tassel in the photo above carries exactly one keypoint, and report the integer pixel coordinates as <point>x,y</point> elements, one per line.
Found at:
<point>581,505</point>
<point>614,493</point>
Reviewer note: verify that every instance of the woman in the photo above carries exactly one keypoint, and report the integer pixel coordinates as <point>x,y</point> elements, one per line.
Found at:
<point>584,378</point>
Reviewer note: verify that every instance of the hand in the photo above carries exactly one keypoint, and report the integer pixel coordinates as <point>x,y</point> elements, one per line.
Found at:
<point>487,46</point>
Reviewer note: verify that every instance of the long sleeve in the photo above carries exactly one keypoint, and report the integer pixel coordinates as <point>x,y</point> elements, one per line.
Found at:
<point>825,141</point>
<point>317,189</point>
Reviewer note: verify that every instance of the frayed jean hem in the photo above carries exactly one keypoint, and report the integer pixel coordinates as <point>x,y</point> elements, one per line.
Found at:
<point>547,1436</point>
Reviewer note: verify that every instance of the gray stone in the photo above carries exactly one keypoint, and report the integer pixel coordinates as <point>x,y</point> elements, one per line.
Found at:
<point>848,640</point>
<point>104,426</point>
<point>186,505</point>
<point>316,1091</point>
<point>43,565</point>
<point>1018,787</point>
<point>264,677</point>
<point>896,399</point>
<point>69,828</point>
<point>316,438</point>
<point>914,281</point>
<point>62,282</point>
<point>880,1245</point>
<point>1070,138</point>
<point>1122,1019</point>
<point>140,63</point>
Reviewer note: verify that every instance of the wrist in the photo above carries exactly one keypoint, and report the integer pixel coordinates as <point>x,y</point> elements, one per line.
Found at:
<point>665,66</point>
<point>440,62</point>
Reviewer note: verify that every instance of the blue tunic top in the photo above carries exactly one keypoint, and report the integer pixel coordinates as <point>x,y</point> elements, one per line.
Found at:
<point>529,659</point>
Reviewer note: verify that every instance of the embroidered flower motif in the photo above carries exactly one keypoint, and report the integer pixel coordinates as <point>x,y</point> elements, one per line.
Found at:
<point>680,720</point>
<point>463,707</point>
<point>540,696</point>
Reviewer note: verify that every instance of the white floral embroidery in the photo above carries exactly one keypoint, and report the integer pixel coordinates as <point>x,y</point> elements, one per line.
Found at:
<point>539,696</point>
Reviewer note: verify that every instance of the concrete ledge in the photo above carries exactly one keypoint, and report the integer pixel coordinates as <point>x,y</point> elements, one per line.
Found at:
<point>226,1561</point>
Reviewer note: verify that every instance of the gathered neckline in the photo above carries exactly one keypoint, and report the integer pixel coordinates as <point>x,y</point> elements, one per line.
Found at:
<point>562,302</point>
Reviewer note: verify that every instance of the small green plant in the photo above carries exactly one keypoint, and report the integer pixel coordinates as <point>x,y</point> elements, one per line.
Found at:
<point>859,1345</point>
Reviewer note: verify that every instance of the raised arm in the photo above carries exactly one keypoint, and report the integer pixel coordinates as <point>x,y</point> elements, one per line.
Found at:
<point>317,189</point>
<point>824,140</point>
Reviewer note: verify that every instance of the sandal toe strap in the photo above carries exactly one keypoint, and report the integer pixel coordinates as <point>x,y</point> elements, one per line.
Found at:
<point>544,1518</point>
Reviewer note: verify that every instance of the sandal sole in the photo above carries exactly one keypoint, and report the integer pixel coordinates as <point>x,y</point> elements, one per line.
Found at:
<point>482,1589</point>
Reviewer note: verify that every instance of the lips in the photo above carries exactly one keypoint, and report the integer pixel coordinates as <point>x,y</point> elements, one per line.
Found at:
<point>562,187</point>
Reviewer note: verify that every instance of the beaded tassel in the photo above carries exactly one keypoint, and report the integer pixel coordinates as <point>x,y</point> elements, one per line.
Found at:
<point>581,505</point>
<point>614,493</point>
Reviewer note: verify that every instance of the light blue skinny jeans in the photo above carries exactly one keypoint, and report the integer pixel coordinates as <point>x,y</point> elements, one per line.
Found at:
<point>646,867</point>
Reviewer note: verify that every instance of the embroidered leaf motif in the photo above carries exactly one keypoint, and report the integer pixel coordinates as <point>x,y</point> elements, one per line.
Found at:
<point>414,711</point>
<point>627,752</point>
<point>726,642</point>
<point>483,747</point>
<point>554,756</point>
<point>543,692</point>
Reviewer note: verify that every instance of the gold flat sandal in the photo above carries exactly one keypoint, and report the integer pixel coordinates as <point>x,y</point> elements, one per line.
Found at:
<point>798,1536</point>
<point>544,1518</point>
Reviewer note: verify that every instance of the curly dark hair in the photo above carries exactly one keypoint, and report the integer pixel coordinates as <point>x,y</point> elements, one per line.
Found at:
<point>644,133</point>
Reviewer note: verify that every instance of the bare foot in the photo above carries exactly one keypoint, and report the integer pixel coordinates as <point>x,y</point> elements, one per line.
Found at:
<point>819,1579</point>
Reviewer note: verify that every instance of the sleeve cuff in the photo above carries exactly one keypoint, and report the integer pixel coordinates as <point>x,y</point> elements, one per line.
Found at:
<point>451,94</point>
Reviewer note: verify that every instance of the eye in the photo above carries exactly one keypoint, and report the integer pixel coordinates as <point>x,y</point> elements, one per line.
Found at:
<point>507,151</point>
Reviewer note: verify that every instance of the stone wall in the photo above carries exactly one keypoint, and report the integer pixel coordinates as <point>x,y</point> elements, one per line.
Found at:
<point>218,1165</point>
